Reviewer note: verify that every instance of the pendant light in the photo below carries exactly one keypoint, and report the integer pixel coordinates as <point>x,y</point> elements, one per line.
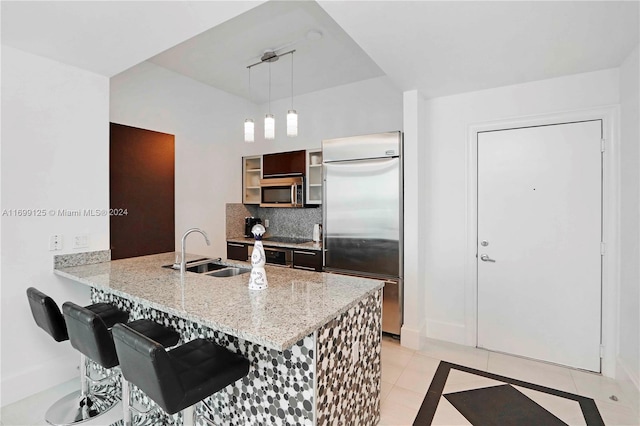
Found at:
<point>292,115</point>
<point>249,130</point>
<point>248,123</point>
<point>269,121</point>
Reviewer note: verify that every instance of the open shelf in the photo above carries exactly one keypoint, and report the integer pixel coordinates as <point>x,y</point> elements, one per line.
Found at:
<point>314,176</point>
<point>251,174</point>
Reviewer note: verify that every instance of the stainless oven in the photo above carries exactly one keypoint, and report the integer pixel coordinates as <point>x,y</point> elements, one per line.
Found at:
<point>279,256</point>
<point>276,256</point>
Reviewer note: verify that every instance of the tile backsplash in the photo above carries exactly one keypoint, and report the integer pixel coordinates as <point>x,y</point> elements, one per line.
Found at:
<point>282,222</point>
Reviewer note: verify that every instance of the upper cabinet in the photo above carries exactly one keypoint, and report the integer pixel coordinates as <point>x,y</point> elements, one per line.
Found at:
<point>283,164</point>
<point>314,176</point>
<point>295,163</point>
<point>251,175</point>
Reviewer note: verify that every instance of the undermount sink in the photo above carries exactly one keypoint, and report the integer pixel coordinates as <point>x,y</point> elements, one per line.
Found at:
<point>200,266</point>
<point>205,267</point>
<point>229,272</point>
<point>212,267</point>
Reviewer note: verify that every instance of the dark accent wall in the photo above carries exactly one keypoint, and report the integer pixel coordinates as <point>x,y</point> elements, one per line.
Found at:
<point>141,191</point>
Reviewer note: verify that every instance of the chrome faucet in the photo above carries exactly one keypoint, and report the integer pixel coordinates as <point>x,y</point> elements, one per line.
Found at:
<point>183,260</point>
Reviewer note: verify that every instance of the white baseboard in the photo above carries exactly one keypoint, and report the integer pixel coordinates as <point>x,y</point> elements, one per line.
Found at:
<point>449,332</point>
<point>39,378</point>
<point>412,337</point>
<point>625,375</point>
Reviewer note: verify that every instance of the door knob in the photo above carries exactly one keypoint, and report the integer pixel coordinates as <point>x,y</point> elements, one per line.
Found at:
<point>486,258</point>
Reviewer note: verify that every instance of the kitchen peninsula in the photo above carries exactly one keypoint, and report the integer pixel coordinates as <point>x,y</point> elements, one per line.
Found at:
<point>313,339</point>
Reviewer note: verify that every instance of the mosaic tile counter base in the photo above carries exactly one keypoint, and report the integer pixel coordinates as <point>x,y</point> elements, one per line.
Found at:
<point>318,381</point>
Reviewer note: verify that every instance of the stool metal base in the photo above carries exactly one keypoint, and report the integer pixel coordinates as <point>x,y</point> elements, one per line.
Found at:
<point>132,416</point>
<point>77,408</point>
<point>86,403</point>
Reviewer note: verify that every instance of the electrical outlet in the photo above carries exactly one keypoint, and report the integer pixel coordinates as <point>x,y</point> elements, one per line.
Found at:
<point>266,223</point>
<point>81,241</point>
<point>55,242</point>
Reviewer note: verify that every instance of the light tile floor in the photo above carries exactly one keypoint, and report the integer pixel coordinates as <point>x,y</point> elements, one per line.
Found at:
<point>30,411</point>
<point>406,376</point>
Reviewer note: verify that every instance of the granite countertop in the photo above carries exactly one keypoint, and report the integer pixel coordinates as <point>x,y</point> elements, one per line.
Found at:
<point>295,304</point>
<point>311,245</point>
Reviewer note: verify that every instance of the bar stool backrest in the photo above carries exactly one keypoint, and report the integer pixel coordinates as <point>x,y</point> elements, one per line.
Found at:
<point>89,335</point>
<point>146,364</point>
<point>47,315</point>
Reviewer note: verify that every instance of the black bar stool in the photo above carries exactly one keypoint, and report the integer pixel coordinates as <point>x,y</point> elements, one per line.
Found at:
<point>178,379</point>
<point>89,334</point>
<point>79,405</point>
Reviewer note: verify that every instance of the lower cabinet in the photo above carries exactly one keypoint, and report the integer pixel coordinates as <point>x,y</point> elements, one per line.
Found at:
<point>237,251</point>
<point>309,260</point>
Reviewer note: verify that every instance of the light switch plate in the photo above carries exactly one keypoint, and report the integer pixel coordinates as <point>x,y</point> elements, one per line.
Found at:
<point>55,242</point>
<point>81,241</point>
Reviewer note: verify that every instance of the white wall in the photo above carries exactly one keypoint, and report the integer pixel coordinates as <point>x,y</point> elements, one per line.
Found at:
<point>448,119</point>
<point>208,126</point>
<point>629,319</point>
<point>54,156</point>
<point>368,106</point>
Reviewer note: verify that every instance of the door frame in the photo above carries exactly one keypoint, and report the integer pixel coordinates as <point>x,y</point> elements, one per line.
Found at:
<point>610,213</point>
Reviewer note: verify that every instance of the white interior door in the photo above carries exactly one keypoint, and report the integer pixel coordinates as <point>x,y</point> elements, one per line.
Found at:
<point>539,233</point>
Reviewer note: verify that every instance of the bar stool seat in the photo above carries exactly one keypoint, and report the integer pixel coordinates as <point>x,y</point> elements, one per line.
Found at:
<point>72,408</point>
<point>91,336</point>
<point>108,313</point>
<point>181,377</point>
<point>48,317</point>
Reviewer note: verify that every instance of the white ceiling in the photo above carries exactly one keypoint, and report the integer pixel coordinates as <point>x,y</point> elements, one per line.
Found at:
<point>107,37</point>
<point>219,57</point>
<point>447,47</point>
<point>436,47</point>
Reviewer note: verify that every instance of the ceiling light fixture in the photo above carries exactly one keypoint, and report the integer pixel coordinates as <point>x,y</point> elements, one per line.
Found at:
<point>314,35</point>
<point>249,126</point>
<point>269,120</point>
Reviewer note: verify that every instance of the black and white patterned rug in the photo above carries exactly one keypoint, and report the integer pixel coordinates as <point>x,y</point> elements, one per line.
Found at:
<point>500,400</point>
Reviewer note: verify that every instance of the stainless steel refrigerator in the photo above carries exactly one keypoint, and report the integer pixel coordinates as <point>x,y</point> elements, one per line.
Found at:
<point>362,214</point>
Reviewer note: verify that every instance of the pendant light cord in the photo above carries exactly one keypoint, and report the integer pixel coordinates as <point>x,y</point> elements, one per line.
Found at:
<point>269,87</point>
<point>291,80</point>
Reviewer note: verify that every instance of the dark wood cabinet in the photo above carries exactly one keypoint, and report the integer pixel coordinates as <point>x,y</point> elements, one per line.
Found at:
<point>310,260</point>
<point>292,163</point>
<point>237,251</point>
<point>141,191</point>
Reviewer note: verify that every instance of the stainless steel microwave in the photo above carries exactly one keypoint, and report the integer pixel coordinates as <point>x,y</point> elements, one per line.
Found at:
<point>282,192</point>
